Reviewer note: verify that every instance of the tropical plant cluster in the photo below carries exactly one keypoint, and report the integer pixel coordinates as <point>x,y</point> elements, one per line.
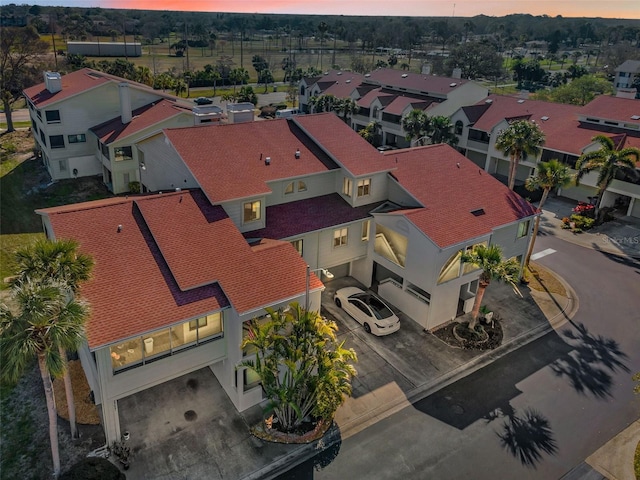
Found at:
<point>423,129</point>
<point>304,371</point>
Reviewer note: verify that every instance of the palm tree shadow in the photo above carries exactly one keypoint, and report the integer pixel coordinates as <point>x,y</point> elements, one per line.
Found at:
<point>527,437</point>
<point>591,364</point>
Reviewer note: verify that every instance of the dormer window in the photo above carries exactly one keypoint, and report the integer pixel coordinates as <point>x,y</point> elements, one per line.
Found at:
<point>302,186</point>
<point>288,189</point>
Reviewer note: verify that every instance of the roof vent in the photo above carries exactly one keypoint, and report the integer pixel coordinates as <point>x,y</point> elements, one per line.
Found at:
<point>267,160</point>
<point>635,117</point>
<point>453,84</point>
<point>297,153</point>
<point>478,212</point>
<point>367,75</point>
<point>544,118</point>
<point>404,75</point>
<point>488,100</point>
<point>348,81</point>
<point>339,73</point>
<point>520,101</point>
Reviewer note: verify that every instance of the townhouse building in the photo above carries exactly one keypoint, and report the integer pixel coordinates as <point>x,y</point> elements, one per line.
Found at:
<point>569,130</point>
<point>247,213</point>
<point>87,122</point>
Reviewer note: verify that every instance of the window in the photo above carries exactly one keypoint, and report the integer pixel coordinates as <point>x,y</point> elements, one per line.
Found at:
<point>56,141</point>
<point>364,187</point>
<point>302,187</point>
<point>43,138</point>
<point>288,189</point>
<point>365,230</point>
<point>458,127</point>
<point>340,237</point>
<point>79,138</point>
<point>39,113</point>
<point>297,244</point>
<point>105,151</point>
<point>34,125</point>
<point>252,211</point>
<point>194,324</point>
<point>53,116</point>
<point>145,349</point>
<point>122,153</point>
<point>478,136</point>
<point>347,184</point>
<point>523,229</point>
<point>250,379</point>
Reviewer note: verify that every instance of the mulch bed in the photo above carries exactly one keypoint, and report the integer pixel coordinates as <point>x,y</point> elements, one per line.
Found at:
<point>86,410</point>
<point>494,332</point>
<point>314,432</point>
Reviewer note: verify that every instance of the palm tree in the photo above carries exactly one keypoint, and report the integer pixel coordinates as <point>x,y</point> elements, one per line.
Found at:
<point>57,263</point>
<point>370,132</point>
<point>238,75</point>
<point>549,176</point>
<point>494,267</point>
<point>521,139</point>
<point>609,161</point>
<point>347,107</point>
<point>303,368</point>
<point>48,321</point>
<point>441,131</point>
<point>322,30</point>
<point>416,125</point>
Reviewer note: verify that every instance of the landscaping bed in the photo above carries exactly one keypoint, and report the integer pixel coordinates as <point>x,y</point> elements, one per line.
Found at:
<point>491,340</point>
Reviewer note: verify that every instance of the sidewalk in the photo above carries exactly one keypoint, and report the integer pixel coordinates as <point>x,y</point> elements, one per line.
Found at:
<point>618,237</point>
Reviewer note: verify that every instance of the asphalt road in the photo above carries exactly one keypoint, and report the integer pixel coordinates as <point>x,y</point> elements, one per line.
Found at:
<point>534,414</point>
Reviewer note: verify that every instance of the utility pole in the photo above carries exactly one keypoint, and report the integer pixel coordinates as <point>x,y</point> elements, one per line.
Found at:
<point>53,40</point>
<point>186,43</point>
<point>124,37</point>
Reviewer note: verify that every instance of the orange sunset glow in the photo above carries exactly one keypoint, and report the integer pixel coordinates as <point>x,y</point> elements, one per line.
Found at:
<point>629,9</point>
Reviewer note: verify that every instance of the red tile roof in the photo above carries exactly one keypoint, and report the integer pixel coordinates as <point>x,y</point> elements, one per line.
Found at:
<point>143,117</point>
<point>216,154</point>
<point>450,187</point>
<point>296,218</point>
<point>367,99</point>
<point>607,107</point>
<point>348,148</point>
<point>77,82</point>
<point>135,285</point>
<point>415,81</point>
<point>397,106</point>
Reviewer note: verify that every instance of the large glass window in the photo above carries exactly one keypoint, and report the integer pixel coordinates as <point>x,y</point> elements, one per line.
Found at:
<point>297,244</point>
<point>451,268</point>
<point>122,153</point>
<point>53,116</point>
<point>251,211</point>
<point>105,150</point>
<point>391,245</point>
<point>340,237</point>
<point>288,190</point>
<point>302,186</point>
<point>364,187</point>
<point>56,141</point>
<point>153,346</point>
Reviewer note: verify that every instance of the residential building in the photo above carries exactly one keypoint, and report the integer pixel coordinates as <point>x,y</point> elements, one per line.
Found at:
<point>626,75</point>
<point>569,130</point>
<point>86,123</point>
<point>179,274</point>
<point>385,95</point>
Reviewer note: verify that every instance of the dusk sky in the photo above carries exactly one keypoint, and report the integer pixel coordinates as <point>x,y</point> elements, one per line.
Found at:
<point>461,8</point>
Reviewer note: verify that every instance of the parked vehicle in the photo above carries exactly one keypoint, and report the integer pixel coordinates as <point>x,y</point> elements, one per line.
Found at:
<point>203,101</point>
<point>368,310</point>
<point>288,112</point>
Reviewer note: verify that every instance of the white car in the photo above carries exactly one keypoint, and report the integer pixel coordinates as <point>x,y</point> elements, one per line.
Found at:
<point>368,310</point>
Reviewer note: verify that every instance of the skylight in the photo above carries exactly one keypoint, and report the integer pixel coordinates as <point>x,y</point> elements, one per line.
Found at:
<point>635,117</point>
<point>478,212</point>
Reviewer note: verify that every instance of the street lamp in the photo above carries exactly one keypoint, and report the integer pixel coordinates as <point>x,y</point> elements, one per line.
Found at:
<point>325,272</point>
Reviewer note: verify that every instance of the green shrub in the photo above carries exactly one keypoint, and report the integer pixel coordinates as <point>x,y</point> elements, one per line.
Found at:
<point>134,187</point>
<point>582,222</point>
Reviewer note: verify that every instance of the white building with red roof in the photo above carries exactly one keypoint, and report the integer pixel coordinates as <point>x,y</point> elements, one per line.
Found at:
<point>569,132</point>
<point>87,123</point>
<point>178,275</point>
<point>386,95</point>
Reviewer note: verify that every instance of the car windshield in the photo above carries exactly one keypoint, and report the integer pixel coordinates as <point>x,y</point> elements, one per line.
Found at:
<point>380,310</point>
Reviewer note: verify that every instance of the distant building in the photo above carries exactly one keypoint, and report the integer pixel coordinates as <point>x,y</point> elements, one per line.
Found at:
<point>625,76</point>
<point>105,49</point>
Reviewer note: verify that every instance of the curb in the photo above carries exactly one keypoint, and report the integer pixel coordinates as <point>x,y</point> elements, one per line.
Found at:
<point>305,452</point>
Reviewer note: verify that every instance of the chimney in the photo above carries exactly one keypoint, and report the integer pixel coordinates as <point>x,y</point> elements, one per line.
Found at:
<point>125,102</point>
<point>426,69</point>
<point>53,81</point>
<point>457,73</point>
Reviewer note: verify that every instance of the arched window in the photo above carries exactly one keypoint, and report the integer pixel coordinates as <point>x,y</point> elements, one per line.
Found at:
<point>288,189</point>
<point>302,89</point>
<point>302,187</point>
<point>459,126</point>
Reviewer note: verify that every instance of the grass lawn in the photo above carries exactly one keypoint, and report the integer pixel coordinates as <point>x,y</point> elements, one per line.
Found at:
<point>3,125</point>
<point>24,187</point>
